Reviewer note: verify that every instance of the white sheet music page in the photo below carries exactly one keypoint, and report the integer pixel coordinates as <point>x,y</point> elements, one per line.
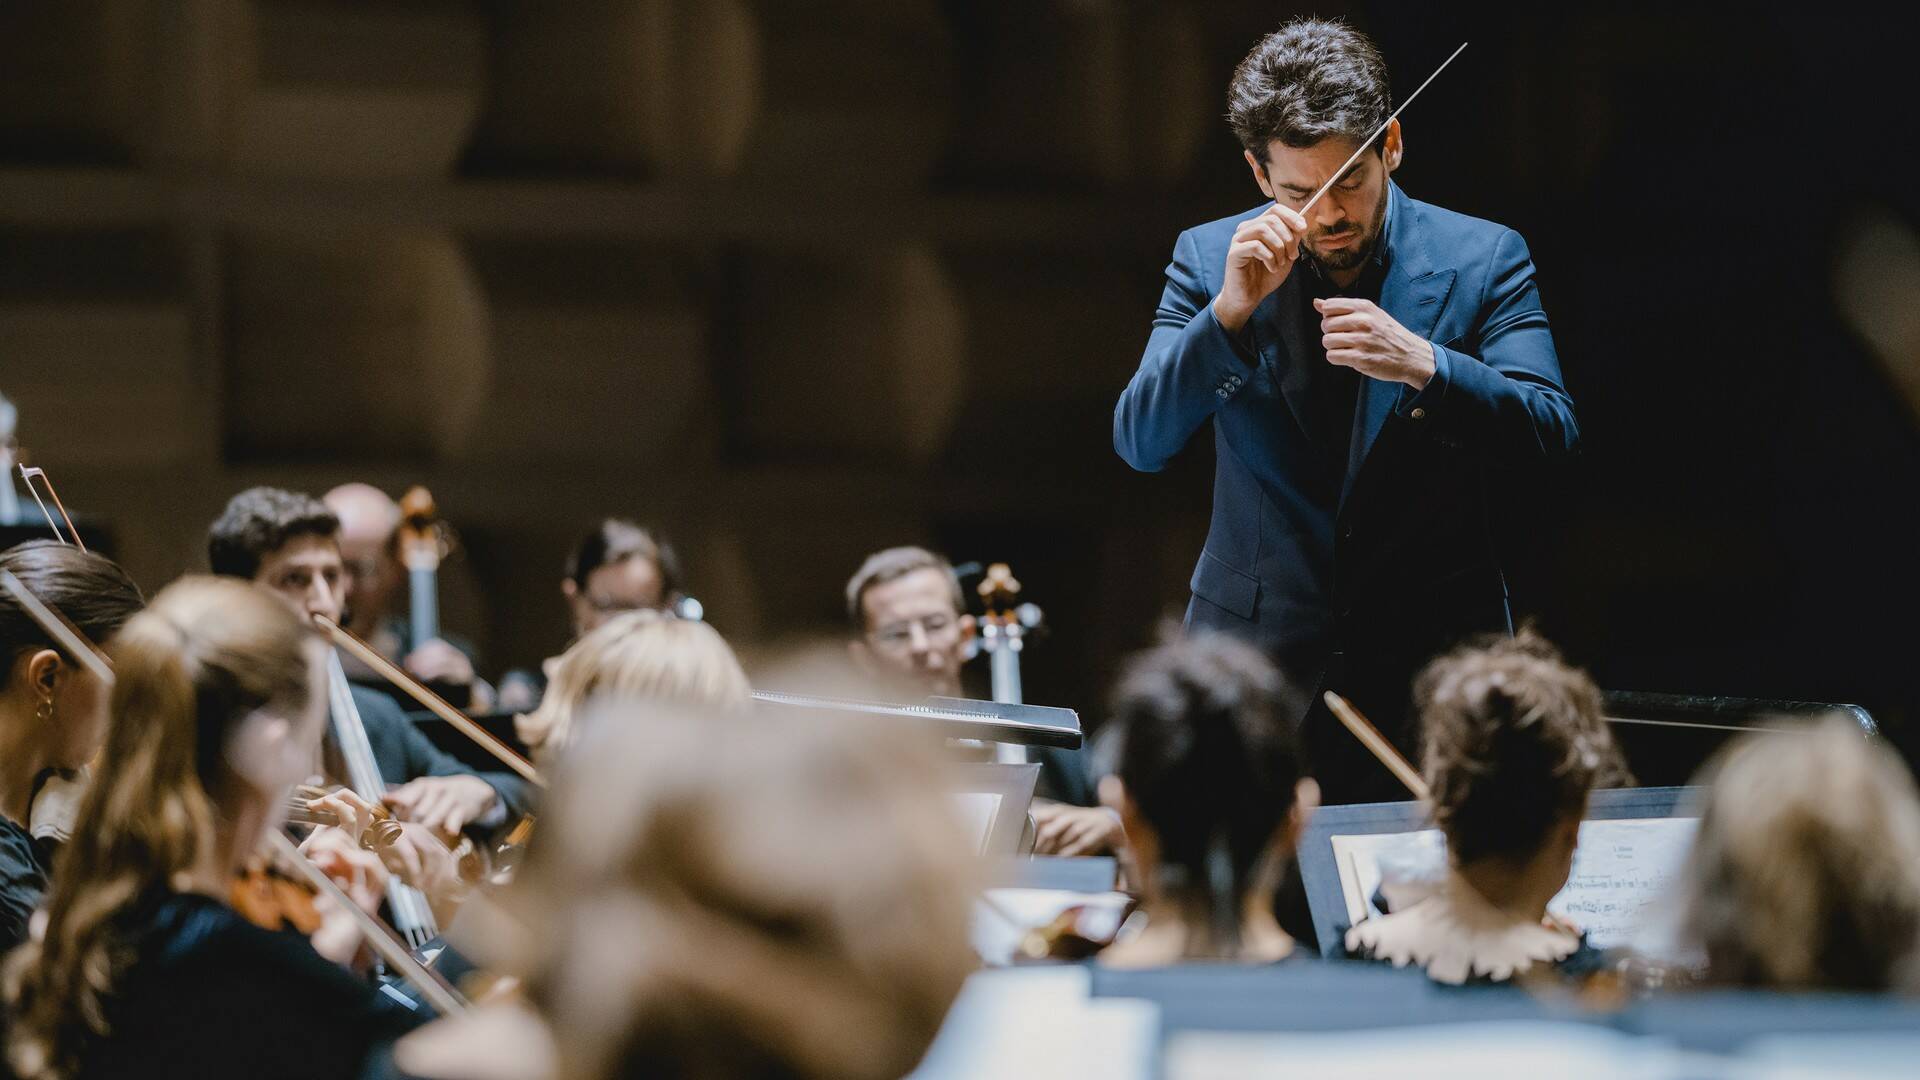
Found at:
<point>1621,868</point>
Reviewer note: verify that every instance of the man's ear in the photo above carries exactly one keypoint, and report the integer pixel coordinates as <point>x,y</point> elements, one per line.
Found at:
<point>568,589</point>
<point>1392,148</point>
<point>1259,173</point>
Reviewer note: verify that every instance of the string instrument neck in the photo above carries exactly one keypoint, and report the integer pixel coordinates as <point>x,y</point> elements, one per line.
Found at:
<point>423,543</point>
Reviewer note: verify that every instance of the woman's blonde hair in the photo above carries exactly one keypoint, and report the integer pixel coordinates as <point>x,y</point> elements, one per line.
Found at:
<point>204,655</point>
<point>717,894</point>
<point>641,655</point>
<point>1806,871</point>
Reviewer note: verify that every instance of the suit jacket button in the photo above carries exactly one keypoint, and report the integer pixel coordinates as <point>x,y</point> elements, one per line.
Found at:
<point>1418,413</point>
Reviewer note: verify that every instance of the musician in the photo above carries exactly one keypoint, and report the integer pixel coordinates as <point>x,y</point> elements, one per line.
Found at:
<point>1362,364</point>
<point>376,580</point>
<point>728,895</point>
<point>1514,744</point>
<point>910,629</point>
<point>1206,772</point>
<point>641,655</point>
<point>619,567</point>
<point>288,542</point>
<point>616,568</point>
<point>53,711</point>
<point>143,969</point>
<point>1805,874</point>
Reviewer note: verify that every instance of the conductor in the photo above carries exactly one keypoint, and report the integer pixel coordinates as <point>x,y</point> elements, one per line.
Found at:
<point>1367,363</point>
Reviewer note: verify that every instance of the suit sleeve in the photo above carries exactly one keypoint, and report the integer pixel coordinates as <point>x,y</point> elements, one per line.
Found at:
<point>412,755</point>
<point>1192,366</point>
<point>1511,401</point>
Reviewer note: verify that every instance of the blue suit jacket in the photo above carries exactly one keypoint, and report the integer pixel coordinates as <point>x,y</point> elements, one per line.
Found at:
<point>1355,598</point>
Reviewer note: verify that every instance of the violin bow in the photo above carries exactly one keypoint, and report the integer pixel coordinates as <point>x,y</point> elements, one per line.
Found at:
<point>55,625</point>
<point>1383,127</point>
<point>27,475</point>
<point>444,999</point>
<point>1371,738</point>
<point>429,700</point>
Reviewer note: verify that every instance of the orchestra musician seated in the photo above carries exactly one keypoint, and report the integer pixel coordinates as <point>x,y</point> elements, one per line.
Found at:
<point>289,542</point>
<point>53,710</point>
<point>1208,780</point>
<point>641,655</point>
<point>1513,744</point>
<point>617,568</point>
<point>370,549</point>
<point>910,632</point>
<point>143,968</point>
<point>1805,872</point>
<point>728,896</point>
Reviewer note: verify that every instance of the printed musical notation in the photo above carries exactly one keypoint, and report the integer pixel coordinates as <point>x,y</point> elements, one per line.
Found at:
<point>1620,869</point>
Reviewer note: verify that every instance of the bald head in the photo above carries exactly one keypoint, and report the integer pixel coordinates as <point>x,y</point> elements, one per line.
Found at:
<point>368,519</point>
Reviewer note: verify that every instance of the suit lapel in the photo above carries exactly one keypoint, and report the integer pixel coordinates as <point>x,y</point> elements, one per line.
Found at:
<point>1415,293</point>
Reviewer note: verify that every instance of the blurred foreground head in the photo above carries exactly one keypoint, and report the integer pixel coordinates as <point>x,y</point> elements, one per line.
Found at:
<point>1806,872</point>
<point>716,894</point>
<point>640,656</point>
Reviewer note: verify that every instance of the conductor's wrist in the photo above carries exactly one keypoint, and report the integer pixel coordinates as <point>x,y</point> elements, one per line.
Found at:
<point>1231,314</point>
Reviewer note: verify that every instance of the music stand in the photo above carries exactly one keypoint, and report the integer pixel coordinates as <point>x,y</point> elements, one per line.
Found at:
<point>1320,871</point>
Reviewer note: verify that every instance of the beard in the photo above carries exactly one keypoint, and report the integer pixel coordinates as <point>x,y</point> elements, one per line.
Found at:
<point>1354,255</point>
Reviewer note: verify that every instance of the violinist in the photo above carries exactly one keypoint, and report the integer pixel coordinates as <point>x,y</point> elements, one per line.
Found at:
<point>728,896</point>
<point>369,548</point>
<point>288,542</point>
<point>53,711</point>
<point>910,632</point>
<point>1515,742</point>
<point>1207,778</point>
<point>143,969</point>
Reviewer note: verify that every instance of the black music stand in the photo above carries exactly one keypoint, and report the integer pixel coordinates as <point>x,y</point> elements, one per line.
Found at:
<point>1666,738</point>
<point>953,718</point>
<point>1320,873</point>
<point>455,742</point>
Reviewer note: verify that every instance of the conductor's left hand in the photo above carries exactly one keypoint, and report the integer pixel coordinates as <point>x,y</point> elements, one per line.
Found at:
<point>1357,334</point>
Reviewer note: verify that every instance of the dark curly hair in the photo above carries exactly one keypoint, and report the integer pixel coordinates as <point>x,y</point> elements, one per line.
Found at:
<point>258,522</point>
<point>1312,79</point>
<point>1514,741</point>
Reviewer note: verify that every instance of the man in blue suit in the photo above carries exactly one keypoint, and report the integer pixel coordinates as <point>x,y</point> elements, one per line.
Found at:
<point>1367,364</point>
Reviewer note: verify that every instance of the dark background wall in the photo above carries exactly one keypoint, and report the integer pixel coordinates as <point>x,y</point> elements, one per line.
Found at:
<point>795,281</point>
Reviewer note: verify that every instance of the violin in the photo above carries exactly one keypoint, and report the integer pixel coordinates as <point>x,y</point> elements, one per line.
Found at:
<point>273,900</point>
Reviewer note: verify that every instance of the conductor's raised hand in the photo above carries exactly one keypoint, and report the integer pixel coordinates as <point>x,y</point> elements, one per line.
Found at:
<point>1357,334</point>
<point>1259,259</point>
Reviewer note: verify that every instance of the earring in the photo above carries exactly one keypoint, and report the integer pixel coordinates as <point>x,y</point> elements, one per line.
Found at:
<point>44,714</point>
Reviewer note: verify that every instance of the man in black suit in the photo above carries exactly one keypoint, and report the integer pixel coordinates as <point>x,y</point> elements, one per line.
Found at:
<point>288,542</point>
<point>1365,365</point>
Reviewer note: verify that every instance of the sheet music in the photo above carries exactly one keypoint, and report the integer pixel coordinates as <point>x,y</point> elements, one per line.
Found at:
<point>977,809</point>
<point>1620,868</point>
